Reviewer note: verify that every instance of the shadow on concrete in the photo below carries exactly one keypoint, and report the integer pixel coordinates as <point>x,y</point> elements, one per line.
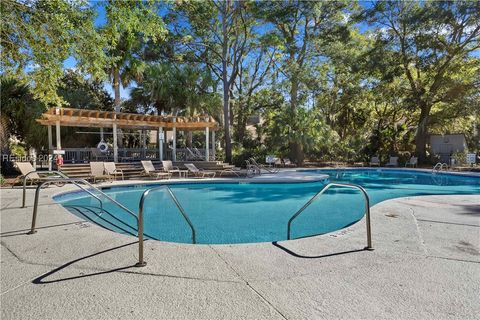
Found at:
<point>24,231</point>
<point>41,279</point>
<point>276,244</point>
<point>471,209</point>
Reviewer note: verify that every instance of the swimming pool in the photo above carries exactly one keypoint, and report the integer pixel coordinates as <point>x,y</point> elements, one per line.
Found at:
<point>239,212</point>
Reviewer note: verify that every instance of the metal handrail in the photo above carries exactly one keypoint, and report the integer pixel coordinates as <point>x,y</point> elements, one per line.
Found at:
<point>175,200</point>
<point>439,167</point>
<point>340,172</point>
<point>345,185</point>
<point>56,180</point>
<point>76,182</point>
<point>251,169</point>
<point>40,172</point>
<point>261,166</point>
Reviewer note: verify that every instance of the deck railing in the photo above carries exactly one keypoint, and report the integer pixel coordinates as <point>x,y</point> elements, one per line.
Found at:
<point>85,155</point>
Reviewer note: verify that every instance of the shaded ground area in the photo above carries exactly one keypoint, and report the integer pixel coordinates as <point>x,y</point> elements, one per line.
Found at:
<point>426,265</point>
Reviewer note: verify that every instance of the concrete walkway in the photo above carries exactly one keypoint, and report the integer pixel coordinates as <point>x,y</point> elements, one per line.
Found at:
<point>426,265</point>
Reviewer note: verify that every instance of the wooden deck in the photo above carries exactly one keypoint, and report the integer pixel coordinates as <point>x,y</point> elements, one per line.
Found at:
<point>134,170</point>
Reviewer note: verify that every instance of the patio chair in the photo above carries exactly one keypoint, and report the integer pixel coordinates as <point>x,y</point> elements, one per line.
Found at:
<point>97,172</point>
<point>150,170</point>
<point>393,162</point>
<point>288,163</point>
<point>26,168</point>
<point>239,172</point>
<point>374,161</point>
<point>168,167</point>
<point>111,169</point>
<point>413,161</point>
<point>199,173</point>
<point>270,160</point>
<point>279,163</point>
<point>263,167</point>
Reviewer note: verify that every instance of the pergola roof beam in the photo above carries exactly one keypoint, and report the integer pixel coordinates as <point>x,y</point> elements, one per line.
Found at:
<point>106,119</point>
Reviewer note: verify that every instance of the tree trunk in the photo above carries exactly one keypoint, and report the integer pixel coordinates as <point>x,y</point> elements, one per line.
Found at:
<point>116,89</point>
<point>296,148</point>
<point>226,119</point>
<point>421,135</point>
<point>242,128</point>
<point>226,88</point>
<point>117,102</point>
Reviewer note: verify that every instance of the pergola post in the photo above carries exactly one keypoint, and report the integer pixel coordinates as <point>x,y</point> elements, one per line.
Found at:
<point>160,143</point>
<point>144,143</point>
<point>50,140</point>
<point>59,140</point>
<point>207,148</point>
<point>115,146</point>
<point>50,146</point>
<point>174,144</point>
<point>213,144</point>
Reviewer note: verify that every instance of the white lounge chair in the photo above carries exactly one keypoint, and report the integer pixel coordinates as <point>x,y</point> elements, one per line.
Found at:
<point>374,161</point>
<point>111,169</point>
<point>168,167</point>
<point>413,162</point>
<point>26,169</point>
<point>97,172</point>
<point>393,162</point>
<point>199,173</point>
<point>260,167</point>
<point>150,170</point>
<point>288,163</point>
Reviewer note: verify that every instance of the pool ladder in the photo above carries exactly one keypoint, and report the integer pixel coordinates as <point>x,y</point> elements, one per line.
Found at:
<point>322,191</point>
<point>100,194</point>
<point>440,167</point>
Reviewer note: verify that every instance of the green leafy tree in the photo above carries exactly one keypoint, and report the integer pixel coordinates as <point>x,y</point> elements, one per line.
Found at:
<point>38,36</point>
<point>168,88</point>
<point>310,130</point>
<point>341,87</point>
<point>431,44</point>
<point>81,93</point>
<point>217,35</point>
<point>19,110</point>
<point>130,24</point>
<point>301,29</point>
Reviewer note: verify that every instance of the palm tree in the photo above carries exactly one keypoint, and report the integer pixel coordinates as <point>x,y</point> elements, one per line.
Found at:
<point>184,90</point>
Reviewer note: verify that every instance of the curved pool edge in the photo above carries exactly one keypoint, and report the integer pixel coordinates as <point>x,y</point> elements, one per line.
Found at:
<point>320,178</point>
<point>350,230</point>
<point>407,169</point>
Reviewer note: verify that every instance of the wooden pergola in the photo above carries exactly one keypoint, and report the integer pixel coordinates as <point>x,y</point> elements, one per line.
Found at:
<point>68,117</point>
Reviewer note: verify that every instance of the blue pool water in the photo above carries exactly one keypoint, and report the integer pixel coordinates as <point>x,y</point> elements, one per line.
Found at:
<point>253,212</point>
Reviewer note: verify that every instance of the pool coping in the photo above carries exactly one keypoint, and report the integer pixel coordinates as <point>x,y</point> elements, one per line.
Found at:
<point>272,178</point>
<point>231,180</point>
<point>423,170</point>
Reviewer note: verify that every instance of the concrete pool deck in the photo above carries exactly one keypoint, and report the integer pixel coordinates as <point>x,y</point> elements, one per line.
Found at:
<point>426,265</point>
